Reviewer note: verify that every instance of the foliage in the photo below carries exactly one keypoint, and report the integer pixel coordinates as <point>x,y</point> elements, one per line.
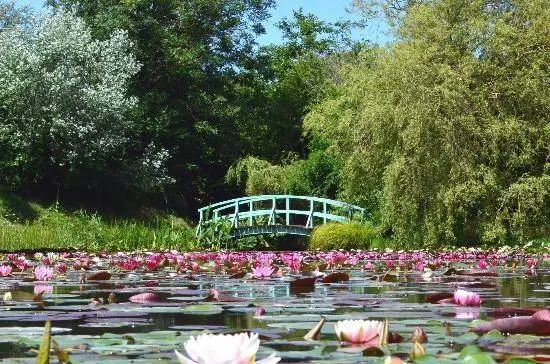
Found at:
<point>215,235</point>
<point>258,176</point>
<point>446,131</point>
<point>196,56</point>
<point>333,236</point>
<point>11,15</point>
<point>317,175</point>
<point>293,76</point>
<point>32,226</point>
<point>64,109</point>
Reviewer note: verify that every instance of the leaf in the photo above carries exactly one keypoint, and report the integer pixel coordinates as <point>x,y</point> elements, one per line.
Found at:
<point>216,296</point>
<point>436,297</point>
<point>469,350</point>
<point>144,298</point>
<point>315,332</point>
<point>336,277</point>
<point>237,275</point>
<point>519,361</point>
<point>44,351</point>
<point>538,324</point>
<point>479,358</point>
<point>503,312</point>
<point>102,275</point>
<point>394,338</point>
<point>303,282</point>
<point>373,351</point>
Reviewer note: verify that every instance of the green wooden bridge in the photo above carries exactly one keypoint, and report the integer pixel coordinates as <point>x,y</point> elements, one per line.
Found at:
<point>277,214</point>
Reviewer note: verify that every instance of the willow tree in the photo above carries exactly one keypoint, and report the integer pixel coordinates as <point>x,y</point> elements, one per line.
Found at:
<point>446,132</point>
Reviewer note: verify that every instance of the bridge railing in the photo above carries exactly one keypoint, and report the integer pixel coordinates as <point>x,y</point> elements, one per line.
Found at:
<point>246,211</point>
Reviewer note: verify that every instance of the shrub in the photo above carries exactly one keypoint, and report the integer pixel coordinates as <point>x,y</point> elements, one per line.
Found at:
<point>342,236</point>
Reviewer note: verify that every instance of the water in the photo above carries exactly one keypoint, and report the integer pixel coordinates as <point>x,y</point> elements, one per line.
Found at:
<point>149,332</point>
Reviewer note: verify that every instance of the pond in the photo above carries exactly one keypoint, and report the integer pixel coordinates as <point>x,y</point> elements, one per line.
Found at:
<point>142,307</point>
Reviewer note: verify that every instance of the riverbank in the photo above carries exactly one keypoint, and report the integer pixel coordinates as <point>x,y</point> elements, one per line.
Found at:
<point>28,225</point>
<point>33,226</point>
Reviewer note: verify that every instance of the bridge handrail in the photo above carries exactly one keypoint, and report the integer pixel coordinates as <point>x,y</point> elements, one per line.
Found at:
<point>219,205</point>
<point>214,211</point>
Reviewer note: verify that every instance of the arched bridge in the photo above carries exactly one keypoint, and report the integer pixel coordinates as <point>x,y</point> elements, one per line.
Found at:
<point>273,214</point>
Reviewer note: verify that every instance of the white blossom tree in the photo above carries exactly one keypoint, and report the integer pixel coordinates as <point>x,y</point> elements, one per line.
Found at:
<point>64,107</point>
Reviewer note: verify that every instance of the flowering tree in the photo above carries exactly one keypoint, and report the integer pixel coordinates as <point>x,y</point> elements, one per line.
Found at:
<point>64,108</point>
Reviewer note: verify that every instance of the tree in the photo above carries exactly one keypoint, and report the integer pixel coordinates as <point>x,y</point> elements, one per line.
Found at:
<point>64,109</point>
<point>446,132</point>
<point>194,55</point>
<point>292,77</point>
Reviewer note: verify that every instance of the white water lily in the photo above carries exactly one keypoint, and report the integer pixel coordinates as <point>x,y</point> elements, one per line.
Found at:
<point>223,349</point>
<point>357,331</point>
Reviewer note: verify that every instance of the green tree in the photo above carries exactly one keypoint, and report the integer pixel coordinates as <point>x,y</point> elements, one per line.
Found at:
<point>194,55</point>
<point>446,131</point>
<point>290,78</point>
<point>64,108</point>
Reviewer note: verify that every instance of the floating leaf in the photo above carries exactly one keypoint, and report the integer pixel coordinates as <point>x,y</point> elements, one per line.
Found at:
<point>238,275</point>
<point>102,275</point>
<point>303,282</point>
<point>145,298</point>
<point>436,297</point>
<point>538,324</point>
<point>373,351</point>
<point>336,277</point>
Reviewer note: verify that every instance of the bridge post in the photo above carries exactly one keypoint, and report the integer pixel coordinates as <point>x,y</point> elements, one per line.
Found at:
<point>250,208</point>
<point>201,219</point>
<point>236,215</point>
<point>287,211</point>
<point>324,212</point>
<point>309,223</point>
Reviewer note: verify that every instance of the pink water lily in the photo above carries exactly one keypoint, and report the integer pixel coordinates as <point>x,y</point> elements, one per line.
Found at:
<point>263,271</point>
<point>466,298</point>
<point>223,349</point>
<point>5,270</point>
<point>357,331</point>
<point>61,267</point>
<point>42,273</point>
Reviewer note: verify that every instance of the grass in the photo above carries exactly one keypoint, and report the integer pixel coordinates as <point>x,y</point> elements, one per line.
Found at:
<point>30,226</point>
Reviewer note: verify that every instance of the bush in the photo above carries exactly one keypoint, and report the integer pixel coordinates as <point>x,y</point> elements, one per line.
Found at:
<point>342,236</point>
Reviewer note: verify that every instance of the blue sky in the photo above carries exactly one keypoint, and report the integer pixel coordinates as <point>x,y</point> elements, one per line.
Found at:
<point>328,10</point>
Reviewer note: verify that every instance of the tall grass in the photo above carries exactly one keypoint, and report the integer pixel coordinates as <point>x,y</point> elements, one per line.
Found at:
<point>52,228</point>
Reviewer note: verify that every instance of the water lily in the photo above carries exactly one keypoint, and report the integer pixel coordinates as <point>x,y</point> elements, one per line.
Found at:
<point>61,267</point>
<point>466,298</point>
<point>42,273</point>
<point>263,271</point>
<point>357,331</point>
<point>223,349</point>
<point>22,263</point>
<point>5,270</point>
